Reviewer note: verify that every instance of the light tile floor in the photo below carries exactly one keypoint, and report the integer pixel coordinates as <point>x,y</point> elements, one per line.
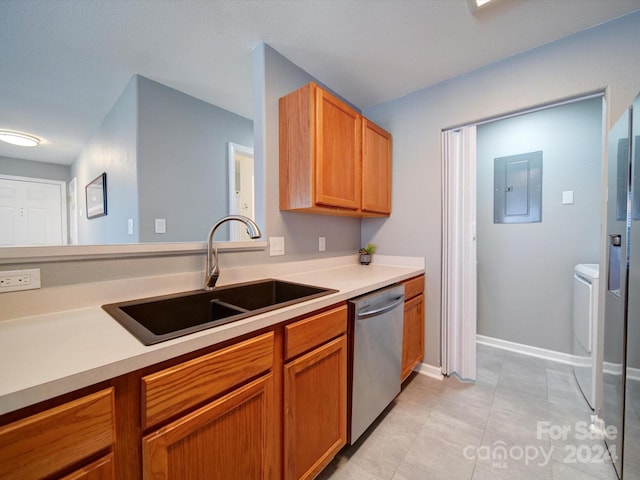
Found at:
<point>506,426</point>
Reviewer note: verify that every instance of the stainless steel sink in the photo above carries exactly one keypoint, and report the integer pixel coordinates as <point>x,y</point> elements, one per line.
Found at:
<point>156,319</point>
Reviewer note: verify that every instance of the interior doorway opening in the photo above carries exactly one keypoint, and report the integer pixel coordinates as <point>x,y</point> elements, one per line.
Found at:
<point>472,294</point>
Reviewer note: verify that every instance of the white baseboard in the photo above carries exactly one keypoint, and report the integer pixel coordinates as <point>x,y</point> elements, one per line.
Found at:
<point>573,360</point>
<point>532,351</point>
<point>429,370</point>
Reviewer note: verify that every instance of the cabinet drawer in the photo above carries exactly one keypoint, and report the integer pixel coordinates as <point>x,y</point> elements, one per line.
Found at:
<point>307,334</point>
<point>413,287</point>
<point>176,389</point>
<point>40,445</point>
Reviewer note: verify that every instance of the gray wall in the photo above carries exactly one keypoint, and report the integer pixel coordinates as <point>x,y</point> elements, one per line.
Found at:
<point>276,77</point>
<point>182,162</point>
<point>165,155</point>
<point>112,150</point>
<point>27,168</point>
<point>525,270</point>
<point>607,56</point>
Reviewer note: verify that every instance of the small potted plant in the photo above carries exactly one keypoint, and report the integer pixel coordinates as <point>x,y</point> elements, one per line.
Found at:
<point>366,252</point>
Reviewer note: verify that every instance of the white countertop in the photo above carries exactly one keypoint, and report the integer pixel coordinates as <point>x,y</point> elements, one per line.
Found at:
<point>43,356</point>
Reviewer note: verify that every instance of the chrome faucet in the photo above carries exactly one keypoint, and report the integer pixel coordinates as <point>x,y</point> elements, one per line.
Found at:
<point>213,271</point>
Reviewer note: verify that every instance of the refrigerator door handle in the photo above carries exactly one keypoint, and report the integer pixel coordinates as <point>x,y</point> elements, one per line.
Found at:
<point>614,264</point>
<point>616,240</point>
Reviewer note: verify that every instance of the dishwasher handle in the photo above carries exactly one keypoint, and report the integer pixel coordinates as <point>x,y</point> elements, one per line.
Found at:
<point>378,311</point>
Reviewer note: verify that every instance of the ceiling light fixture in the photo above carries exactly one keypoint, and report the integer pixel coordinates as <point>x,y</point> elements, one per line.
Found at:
<point>20,139</point>
<point>474,5</point>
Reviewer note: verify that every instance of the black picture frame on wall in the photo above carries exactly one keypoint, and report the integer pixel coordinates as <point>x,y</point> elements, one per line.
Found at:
<point>96,195</point>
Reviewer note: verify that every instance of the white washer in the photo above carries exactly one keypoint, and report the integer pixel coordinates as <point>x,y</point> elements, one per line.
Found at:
<point>586,328</point>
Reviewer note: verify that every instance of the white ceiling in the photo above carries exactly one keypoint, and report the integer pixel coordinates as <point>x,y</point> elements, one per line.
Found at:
<point>63,63</point>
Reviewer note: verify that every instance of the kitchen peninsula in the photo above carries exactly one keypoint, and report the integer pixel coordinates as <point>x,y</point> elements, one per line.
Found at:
<point>81,360</point>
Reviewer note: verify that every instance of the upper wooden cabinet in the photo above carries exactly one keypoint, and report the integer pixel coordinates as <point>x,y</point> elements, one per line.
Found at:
<point>338,181</point>
<point>376,169</point>
<point>332,159</point>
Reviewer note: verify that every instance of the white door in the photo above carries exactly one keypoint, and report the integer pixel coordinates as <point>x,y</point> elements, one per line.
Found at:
<point>241,189</point>
<point>32,212</point>
<point>459,280</point>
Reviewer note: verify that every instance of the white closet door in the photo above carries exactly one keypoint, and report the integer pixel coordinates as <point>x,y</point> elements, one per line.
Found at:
<point>31,213</point>
<point>459,264</point>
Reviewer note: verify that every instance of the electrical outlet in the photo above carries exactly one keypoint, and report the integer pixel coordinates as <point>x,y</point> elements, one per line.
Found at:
<point>322,244</point>
<point>12,280</point>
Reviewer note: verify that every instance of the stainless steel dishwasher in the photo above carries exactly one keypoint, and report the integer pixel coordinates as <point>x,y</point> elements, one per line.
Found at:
<point>376,326</point>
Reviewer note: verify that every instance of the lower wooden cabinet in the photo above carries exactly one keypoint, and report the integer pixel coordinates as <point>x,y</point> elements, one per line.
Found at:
<point>316,415</point>
<point>412,335</point>
<point>52,441</point>
<point>174,390</point>
<point>228,438</point>
<point>315,394</point>
<point>413,328</point>
<point>224,404</point>
<point>270,406</point>
<point>99,470</point>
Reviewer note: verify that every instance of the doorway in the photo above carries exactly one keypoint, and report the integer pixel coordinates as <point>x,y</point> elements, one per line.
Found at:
<point>241,189</point>
<point>525,270</point>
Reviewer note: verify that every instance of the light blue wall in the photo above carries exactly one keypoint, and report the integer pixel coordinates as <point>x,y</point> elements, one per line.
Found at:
<point>604,57</point>
<point>182,162</point>
<point>607,56</point>
<point>165,155</point>
<point>18,167</point>
<point>525,270</point>
<point>274,77</point>
<point>112,150</point>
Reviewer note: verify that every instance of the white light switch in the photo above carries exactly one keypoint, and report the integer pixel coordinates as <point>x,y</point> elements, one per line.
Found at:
<point>161,225</point>
<point>276,246</point>
<point>130,226</point>
<point>567,197</point>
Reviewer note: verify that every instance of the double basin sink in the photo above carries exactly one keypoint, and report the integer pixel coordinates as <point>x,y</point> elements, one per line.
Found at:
<point>156,319</point>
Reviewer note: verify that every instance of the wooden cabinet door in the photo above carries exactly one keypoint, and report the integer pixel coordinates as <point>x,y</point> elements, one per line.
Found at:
<point>99,470</point>
<point>376,169</point>
<point>413,334</point>
<point>337,153</point>
<point>315,398</point>
<point>226,439</point>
